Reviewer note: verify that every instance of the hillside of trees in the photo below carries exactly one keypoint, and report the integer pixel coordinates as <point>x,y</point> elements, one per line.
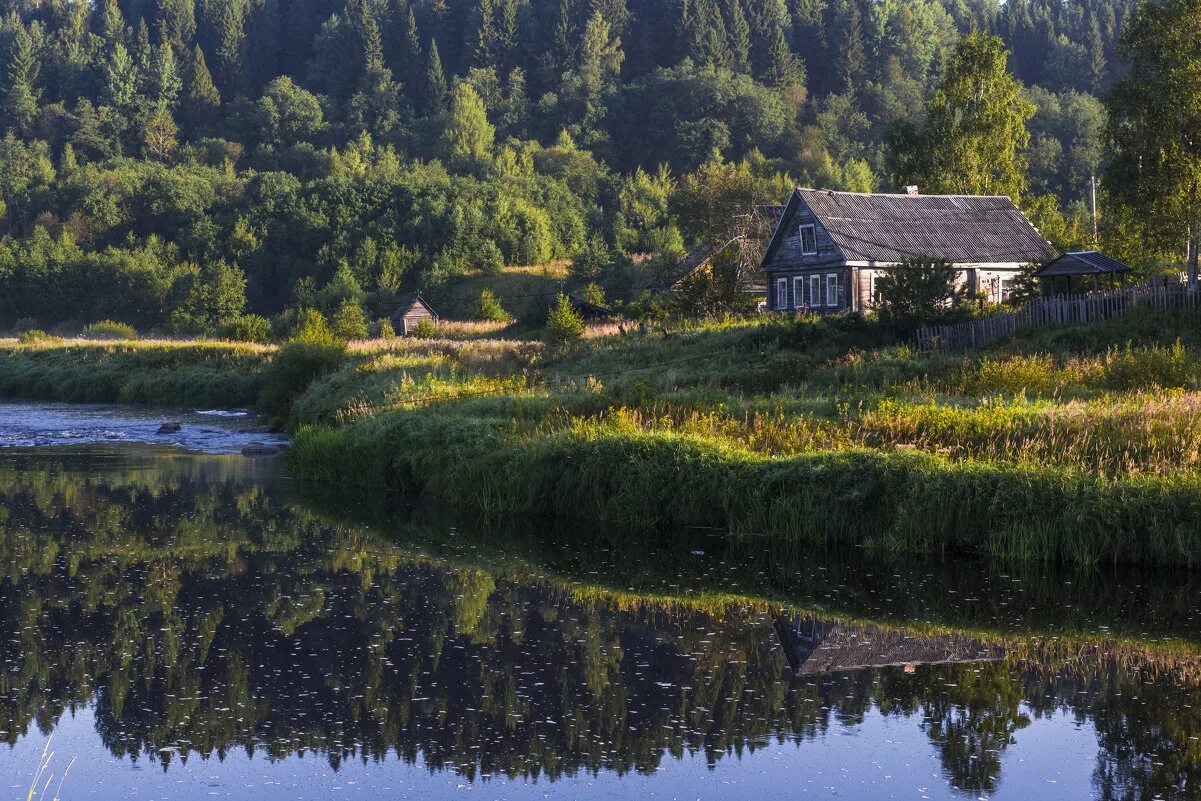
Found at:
<point>175,164</point>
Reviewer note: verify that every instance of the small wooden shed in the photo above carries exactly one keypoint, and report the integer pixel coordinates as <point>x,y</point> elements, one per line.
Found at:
<point>411,312</point>
<point>1056,276</point>
<point>587,310</point>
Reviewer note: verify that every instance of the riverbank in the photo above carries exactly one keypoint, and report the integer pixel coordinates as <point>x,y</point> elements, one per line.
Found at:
<point>1078,445</point>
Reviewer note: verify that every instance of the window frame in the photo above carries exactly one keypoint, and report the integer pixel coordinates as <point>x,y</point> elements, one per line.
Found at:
<point>781,284</point>
<point>831,302</point>
<point>813,232</point>
<point>798,291</point>
<point>815,298</point>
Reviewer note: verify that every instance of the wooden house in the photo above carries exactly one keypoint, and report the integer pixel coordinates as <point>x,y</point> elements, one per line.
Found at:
<point>814,647</point>
<point>829,247</point>
<point>694,266</point>
<point>409,313</point>
<point>1090,270</point>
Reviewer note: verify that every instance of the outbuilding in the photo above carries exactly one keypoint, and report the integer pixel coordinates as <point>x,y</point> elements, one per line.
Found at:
<point>1080,271</point>
<point>410,313</point>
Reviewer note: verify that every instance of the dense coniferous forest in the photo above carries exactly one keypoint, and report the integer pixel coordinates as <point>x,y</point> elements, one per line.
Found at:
<point>175,164</point>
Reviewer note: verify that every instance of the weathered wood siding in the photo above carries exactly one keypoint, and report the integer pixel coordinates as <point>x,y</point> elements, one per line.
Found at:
<point>788,255</point>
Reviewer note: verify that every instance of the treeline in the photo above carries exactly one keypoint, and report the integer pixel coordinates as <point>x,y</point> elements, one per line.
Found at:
<point>176,163</point>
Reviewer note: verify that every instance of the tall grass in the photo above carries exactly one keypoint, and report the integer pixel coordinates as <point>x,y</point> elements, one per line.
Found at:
<point>899,501</point>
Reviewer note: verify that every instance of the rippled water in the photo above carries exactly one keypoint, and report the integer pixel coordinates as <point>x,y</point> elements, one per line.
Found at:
<point>24,424</point>
<point>190,625</point>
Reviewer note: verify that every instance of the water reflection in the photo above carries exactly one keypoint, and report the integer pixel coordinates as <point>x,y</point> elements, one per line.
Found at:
<point>203,605</point>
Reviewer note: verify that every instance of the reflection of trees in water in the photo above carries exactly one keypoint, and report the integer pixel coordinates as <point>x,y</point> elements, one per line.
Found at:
<point>205,615</point>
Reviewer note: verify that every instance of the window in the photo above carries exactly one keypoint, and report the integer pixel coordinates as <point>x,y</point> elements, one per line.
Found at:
<point>808,240</point>
<point>832,289</point>
<point>798,291</point>
<point>815,291</point>
<point>873,291</point>
<point>782,294</point>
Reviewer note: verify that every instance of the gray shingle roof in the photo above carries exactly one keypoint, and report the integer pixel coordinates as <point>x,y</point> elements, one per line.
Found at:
<point>1086,262</point>
<point>954,228</point>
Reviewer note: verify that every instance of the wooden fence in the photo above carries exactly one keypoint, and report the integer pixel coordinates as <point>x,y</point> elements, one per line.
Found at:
<point>1048,312</point>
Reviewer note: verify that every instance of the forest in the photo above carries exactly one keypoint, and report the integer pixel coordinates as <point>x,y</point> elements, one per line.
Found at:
<point>183,165</point>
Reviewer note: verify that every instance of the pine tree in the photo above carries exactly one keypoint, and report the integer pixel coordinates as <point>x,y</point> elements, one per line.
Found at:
<point>434,101</point>
<point>201,100</point>
<point>20,98</point>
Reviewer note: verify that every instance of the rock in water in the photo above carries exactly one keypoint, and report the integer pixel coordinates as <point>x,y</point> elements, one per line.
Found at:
<point>168,428</point>
<point>259,449</point>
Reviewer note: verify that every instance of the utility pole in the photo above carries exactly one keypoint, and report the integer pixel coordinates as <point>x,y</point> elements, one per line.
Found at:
<point>1092,202</point>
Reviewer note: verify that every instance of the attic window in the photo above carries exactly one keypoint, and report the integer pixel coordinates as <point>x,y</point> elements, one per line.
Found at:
<point>808,240</point>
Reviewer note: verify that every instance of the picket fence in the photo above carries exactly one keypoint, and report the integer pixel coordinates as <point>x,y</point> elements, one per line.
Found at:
<point>1047,312</point>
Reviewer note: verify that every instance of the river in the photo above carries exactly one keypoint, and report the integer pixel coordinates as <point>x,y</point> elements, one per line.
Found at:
<point>186,622</point>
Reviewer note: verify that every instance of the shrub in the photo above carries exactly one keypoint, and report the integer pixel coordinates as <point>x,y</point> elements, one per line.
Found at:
<point>564,325</point>
<point>916,291</point>
<point>382,329</point>
<point>109,329</point>
<point>36,336</point>
<point>312,327</point>
<point>425,329</point>
<point>593,260</point>
<point>246,328</point>
<point>350,321</point>
<point>25,324</point>
<point>489,310</point>
<point>292,369</point>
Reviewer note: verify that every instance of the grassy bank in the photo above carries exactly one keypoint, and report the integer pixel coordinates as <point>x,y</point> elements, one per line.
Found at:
<point>158,372</point>
<point>1077,446</point>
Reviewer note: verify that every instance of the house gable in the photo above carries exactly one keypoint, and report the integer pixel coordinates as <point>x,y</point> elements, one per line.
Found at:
<point>785,250</point>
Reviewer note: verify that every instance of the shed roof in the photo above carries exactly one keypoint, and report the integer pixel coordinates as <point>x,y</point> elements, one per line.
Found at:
<point>1084,262</point>
<point>407,305</point>
<point>587,308</point>
<point>962,229</point>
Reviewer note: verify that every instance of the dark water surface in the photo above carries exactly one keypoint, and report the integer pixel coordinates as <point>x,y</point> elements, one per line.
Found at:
<point>195,626</point>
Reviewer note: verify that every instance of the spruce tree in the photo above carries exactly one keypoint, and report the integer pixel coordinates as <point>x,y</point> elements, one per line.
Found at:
<point>434,100</point>
<point>165,82</point>
<point>483,41</point>
<point>201,100</point>
<point>120,81</point>
<point>177,26</point>
<point>740,39</point>
<point>20,98</point>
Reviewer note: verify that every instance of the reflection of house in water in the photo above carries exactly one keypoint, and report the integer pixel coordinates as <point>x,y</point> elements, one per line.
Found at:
<point>813,647</point>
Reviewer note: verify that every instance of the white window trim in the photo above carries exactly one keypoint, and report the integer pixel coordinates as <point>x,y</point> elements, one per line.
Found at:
<point>831,297</point>
<point>798,291</point>
<point>781,293</point>
<point>815,291</point>
<point>801,234</point>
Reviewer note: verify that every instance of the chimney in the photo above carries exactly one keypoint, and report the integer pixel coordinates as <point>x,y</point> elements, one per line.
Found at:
<point>911,190</point>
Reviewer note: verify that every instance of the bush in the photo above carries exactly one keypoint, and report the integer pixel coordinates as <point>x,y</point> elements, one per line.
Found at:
<point>25,324</point>
<point>246,328</point>
<point>35,336</point>
<point>312,327</point>
<point>563,324</point>
<point>425,329</point>
<point>489,310</point>
<point>350,321</point>
<point>109,329</point>
<point>291,371</point>
<point>382,329</point>
<point>916,291</point>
